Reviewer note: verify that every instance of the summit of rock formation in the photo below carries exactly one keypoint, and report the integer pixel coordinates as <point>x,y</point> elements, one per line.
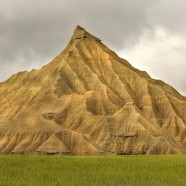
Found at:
<point>80,33</point>
<point>88,100</point>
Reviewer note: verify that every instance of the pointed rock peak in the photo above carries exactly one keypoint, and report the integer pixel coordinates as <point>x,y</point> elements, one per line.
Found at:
<point>81,33</point>
<point>80,29</point>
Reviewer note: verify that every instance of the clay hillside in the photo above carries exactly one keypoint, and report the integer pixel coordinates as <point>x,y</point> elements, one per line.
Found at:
<point>90,101</point>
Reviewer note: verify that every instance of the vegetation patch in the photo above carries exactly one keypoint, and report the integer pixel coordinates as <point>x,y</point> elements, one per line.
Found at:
<point>149,170</point>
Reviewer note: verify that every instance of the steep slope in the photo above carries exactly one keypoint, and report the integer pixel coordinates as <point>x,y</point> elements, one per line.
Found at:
<point>90,101</point>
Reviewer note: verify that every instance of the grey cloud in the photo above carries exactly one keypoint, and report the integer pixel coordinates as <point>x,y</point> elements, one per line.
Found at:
<point>34,32</point>
<point>169,14</point>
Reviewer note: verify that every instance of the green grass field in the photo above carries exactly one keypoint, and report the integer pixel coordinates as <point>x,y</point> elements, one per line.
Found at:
<point>18,170</point>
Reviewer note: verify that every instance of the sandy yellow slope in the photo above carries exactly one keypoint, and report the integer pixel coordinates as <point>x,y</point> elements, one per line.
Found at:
<point>90,101</point>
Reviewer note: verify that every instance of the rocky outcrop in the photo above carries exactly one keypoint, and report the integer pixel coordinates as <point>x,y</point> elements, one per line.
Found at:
<point>90,101</point>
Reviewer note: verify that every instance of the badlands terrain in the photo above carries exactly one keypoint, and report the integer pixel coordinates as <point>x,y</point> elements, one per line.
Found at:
<point>88,100</point>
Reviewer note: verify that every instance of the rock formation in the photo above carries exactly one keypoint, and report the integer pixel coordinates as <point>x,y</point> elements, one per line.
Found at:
<point>88,100</point>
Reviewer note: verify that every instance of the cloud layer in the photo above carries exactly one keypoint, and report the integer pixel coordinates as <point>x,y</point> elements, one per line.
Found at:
<point>150,34</point>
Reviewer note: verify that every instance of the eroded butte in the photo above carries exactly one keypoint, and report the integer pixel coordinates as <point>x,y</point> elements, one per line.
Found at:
<point>88,100</point>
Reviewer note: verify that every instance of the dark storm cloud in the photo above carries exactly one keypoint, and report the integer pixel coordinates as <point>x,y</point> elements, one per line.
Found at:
<point>34,32</point>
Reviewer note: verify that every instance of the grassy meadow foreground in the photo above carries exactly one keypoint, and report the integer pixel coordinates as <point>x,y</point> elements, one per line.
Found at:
<point>18,170</point>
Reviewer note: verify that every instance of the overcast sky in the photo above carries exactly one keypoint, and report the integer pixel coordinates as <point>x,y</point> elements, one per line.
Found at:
<point>150,34</point>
